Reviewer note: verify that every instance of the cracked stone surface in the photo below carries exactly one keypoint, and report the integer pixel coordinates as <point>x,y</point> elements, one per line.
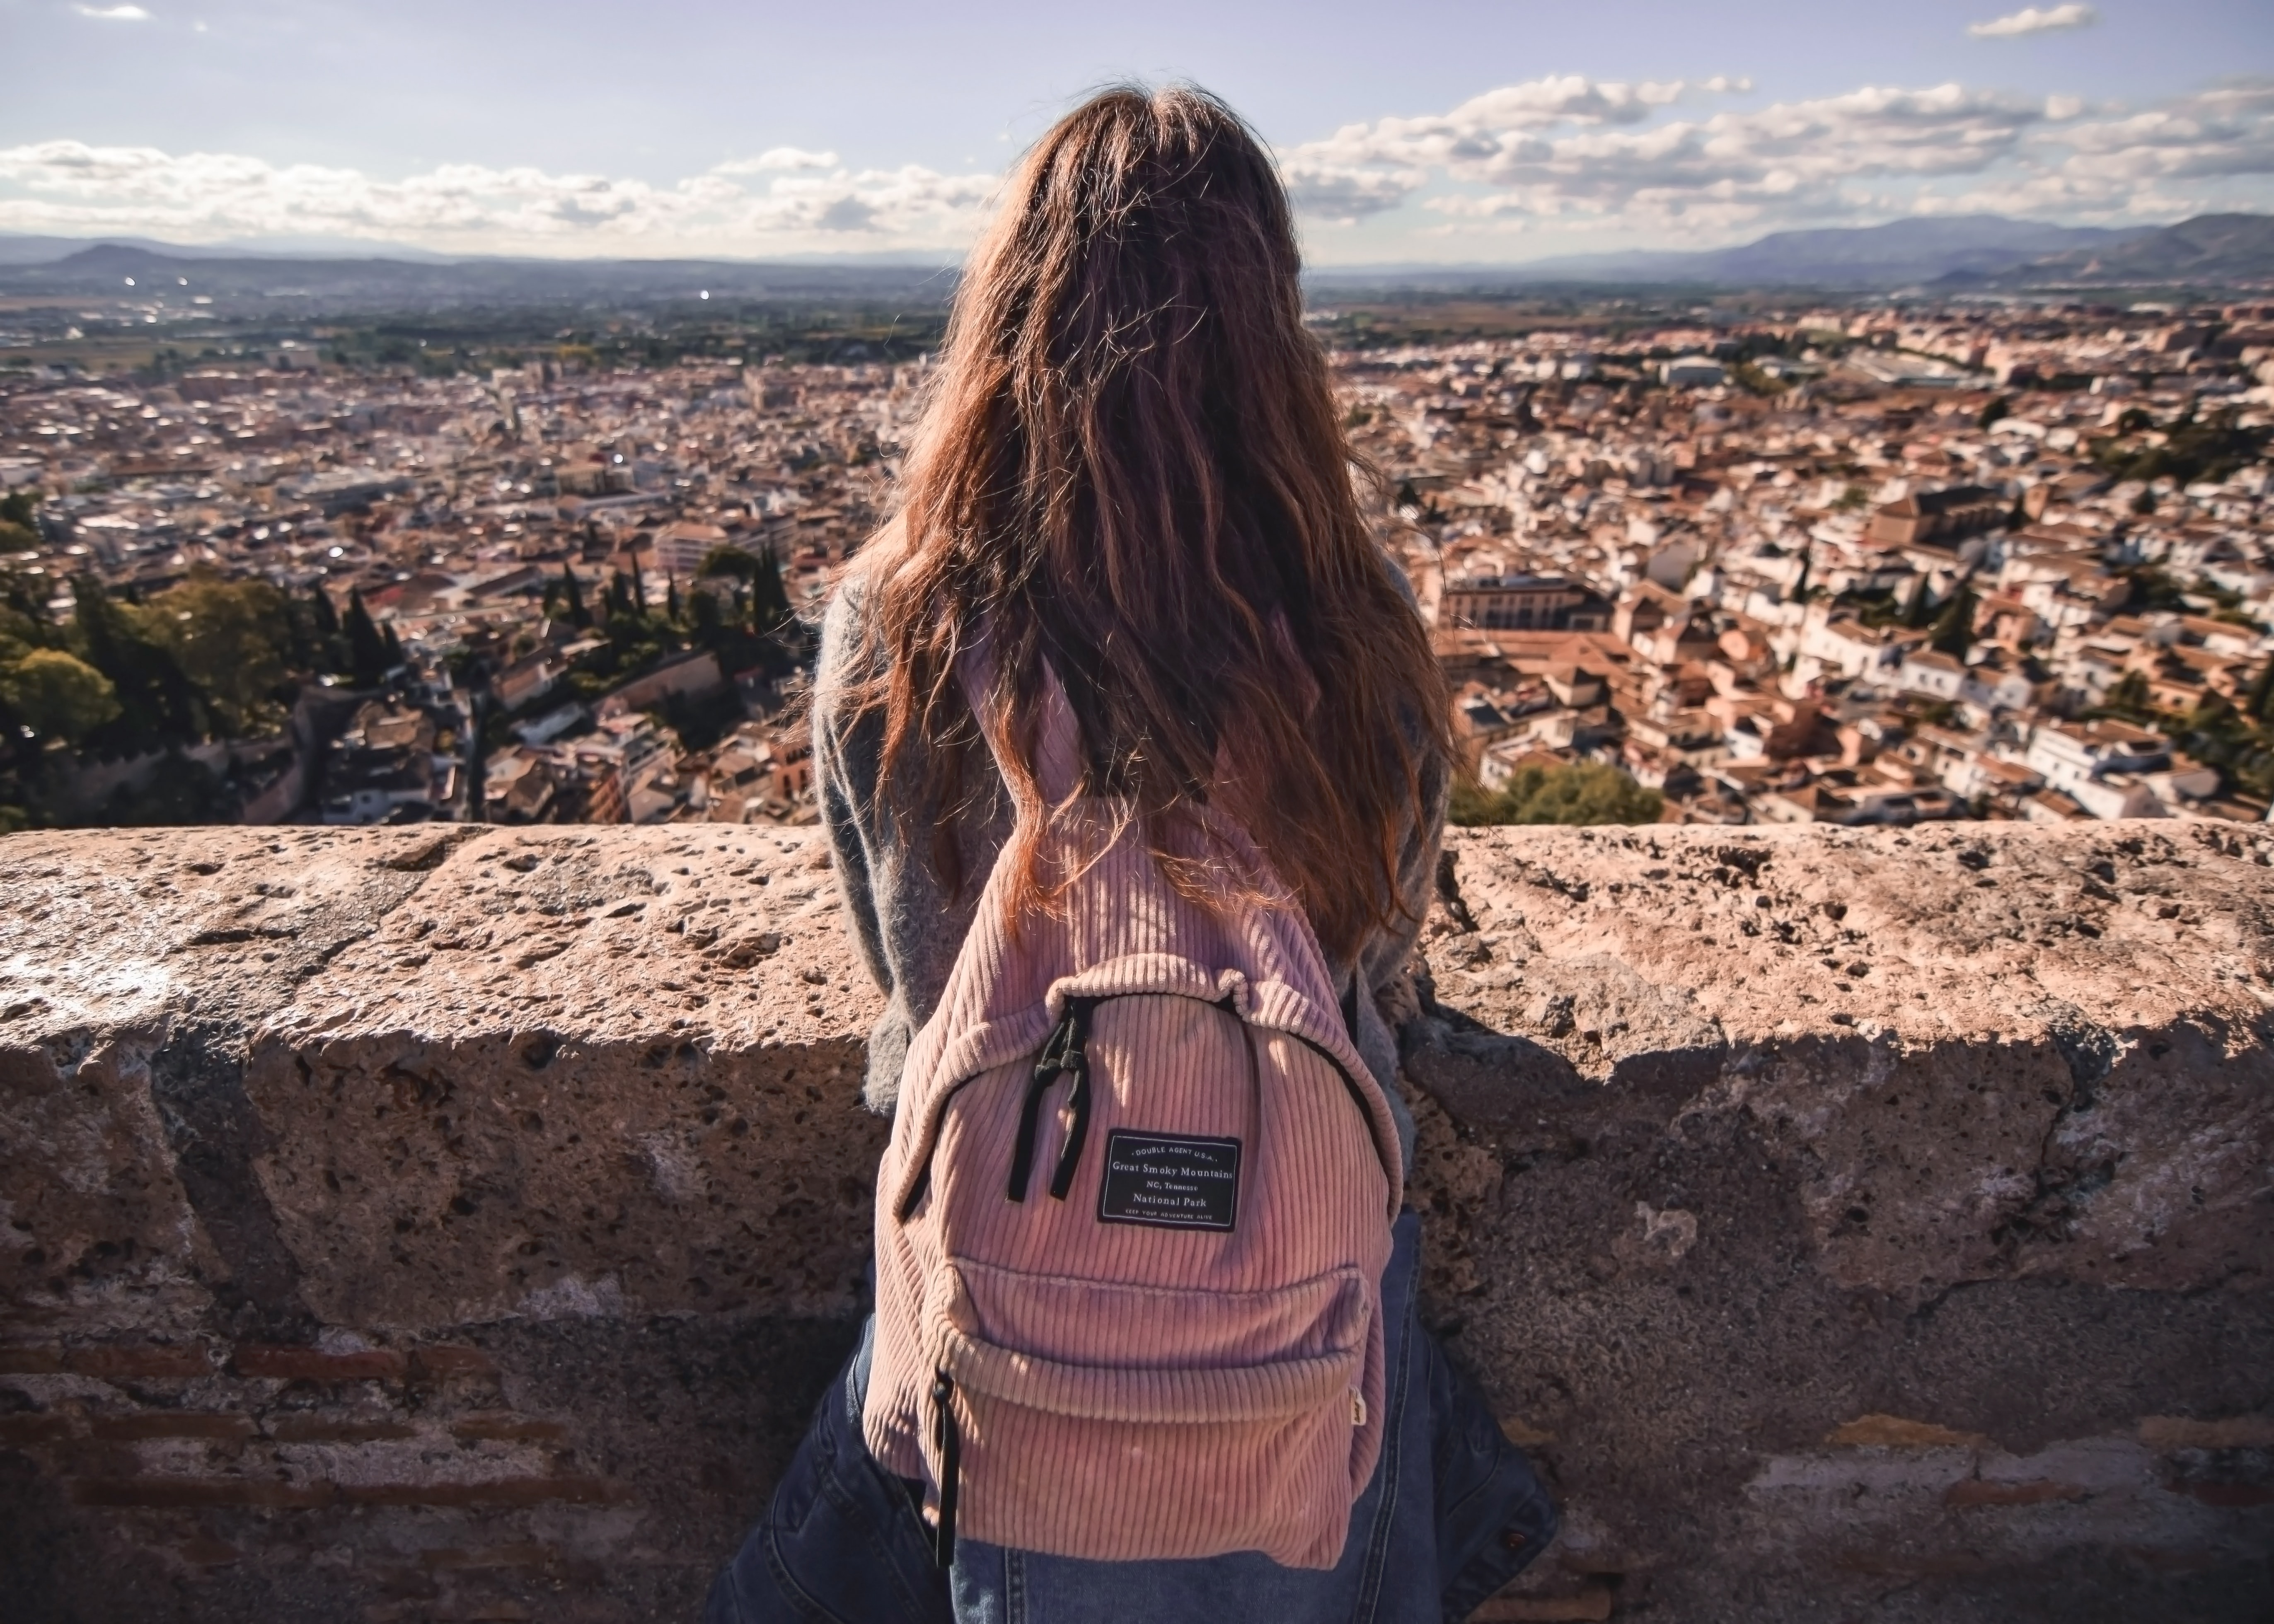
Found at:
<point>1995,1057</point>
<point>459,1223</point>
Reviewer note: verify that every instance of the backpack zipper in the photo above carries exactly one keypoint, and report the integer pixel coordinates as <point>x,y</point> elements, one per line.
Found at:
<point>1066,1052</point>
<point>949,1442</point>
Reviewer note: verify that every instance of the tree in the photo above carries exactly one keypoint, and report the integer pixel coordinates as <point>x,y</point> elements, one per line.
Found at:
<point>1997,411</point>
<point>20,602</point>
<point>2219,736</point>
<point>178,791</point>
<point>2155,589</point>
<point>158,704</point>
<point>1920,610</point>
<point>703,609</point>
<point>573,596</point>
<point>2258,703</point>
<point>1753,381</point>
<point>57,695</point>
<point>726,562</point>
<point>315,643</point>
<point>761,573</point>
<point>367,661</point>
<point>1576,793</point>
<point>671,599</point>
<point>19,523</point>
<point>233,639</point>
<point>1954,628</point>
<point>2128,699</point>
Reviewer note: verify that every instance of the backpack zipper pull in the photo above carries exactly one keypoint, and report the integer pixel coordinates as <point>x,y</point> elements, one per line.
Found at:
<point>1076,1061</point>
<point>950,1443</point>
<point>1077,1131</point>
<point>1065,1052</point>
<point>1053,1062</point>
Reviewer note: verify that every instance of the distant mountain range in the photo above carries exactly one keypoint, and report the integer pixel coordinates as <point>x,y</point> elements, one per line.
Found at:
<point>26,249</point>
<point>335,284</point>
<point>1899,252</point>
<point>2214,249</point>
<point>1948,253</point>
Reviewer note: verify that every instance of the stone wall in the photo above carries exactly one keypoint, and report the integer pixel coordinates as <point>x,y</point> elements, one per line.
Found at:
<point>455,1223</point>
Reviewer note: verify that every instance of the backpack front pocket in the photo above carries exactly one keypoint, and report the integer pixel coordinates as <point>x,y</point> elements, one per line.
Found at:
<point>1077,1435</point>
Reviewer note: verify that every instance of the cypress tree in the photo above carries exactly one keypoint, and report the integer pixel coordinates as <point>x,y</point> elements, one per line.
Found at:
<point>769,598</point>
<point>1954,629</point>
<point>2259,706</point>
<point>367,659</point>
<point>573,595</point>
<point>327,649</point>
<point>1921,609</point>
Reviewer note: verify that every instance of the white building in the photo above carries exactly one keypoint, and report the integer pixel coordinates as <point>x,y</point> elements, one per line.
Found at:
<point>1931,673</point>
<point>1692,372</point>
<point>2093,763</point>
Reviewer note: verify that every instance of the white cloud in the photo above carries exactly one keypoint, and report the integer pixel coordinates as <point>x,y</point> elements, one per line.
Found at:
<point>1347,193</point>
<point>1577,147</point>
<point>1641,160</point>
<point>2031,20</point>
<point>2177,158</point>
<point>775,158</point>
<point>1613,156</point>
<point>1364,169</point>
<point>2210,150</point>
<point>113,13</point>
<point>780,200</point>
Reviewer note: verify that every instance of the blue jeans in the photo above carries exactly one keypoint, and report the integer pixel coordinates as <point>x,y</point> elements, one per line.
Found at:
<point>1452,1514</point>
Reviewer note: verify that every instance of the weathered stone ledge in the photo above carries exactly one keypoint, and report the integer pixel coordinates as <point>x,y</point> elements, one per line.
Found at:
<point>442,1222</point>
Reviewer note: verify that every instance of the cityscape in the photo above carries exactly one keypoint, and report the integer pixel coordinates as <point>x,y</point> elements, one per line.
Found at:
<point>1798,1149</point>
<point>1875,560</point>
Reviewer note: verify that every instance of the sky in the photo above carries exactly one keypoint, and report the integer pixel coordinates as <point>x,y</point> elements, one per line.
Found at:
<point>1423,130</point>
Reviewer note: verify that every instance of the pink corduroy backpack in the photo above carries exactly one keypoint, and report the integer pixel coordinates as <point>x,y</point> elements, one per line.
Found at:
<point>1131,1225</point>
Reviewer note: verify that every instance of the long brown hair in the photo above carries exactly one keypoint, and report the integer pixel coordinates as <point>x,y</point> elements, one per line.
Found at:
<point>1131,467</point>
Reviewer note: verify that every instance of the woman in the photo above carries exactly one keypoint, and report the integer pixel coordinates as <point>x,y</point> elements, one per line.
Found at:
<point>1130,488</point>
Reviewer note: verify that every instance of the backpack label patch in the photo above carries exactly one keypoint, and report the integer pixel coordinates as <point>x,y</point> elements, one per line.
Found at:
<point>1170,1183</point>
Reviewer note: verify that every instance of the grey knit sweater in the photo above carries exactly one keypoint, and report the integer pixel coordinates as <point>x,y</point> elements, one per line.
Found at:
<point>909,927</point>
